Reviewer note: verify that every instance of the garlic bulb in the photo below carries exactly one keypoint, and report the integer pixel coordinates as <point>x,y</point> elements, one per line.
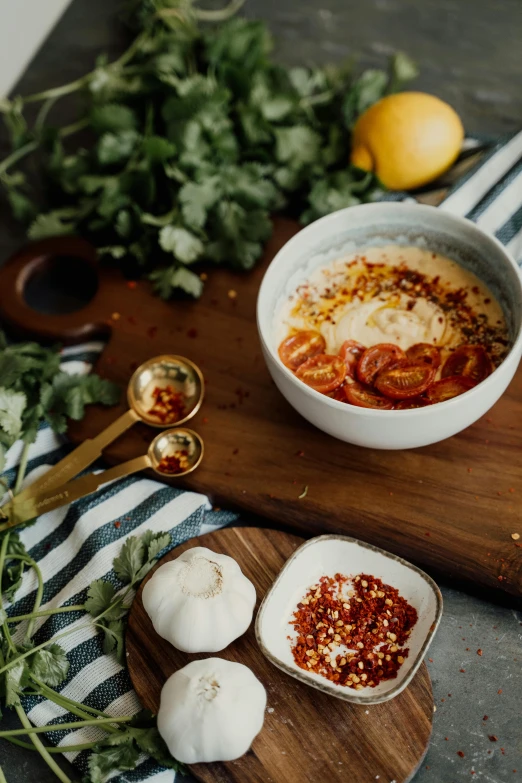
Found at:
<point>201,601</point>
<point>211,710</point>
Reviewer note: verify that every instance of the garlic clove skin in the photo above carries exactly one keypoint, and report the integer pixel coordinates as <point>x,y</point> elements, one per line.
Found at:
<point>211,710</point>
<point>200,602</point>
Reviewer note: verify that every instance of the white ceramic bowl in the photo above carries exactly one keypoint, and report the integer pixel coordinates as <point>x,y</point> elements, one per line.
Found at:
<point>326,556</point>
<point>367,225</point>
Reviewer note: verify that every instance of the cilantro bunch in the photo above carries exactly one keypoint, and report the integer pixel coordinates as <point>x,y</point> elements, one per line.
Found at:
<point>195,137</point>
<point>33,389</point>
<point>39,670</point>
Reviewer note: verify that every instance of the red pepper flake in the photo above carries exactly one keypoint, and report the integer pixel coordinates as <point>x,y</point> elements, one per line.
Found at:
<point>117,524</point>
<point>428,534</point>
<point>463,671</point>
<point>359,620</point>
<point>131,284</point>
<point>467,649</point>
<point>499,690</point>
<point>192,333</point>
<point>152,331</point>
<point>479,652</point>
<point>430,660</point>
<point>299,453</point>
<point>460,753</point>
<point>470,470</point>
<point>176,463</point>
<point>492,738</point>
<point>447,739</point>
<point>500,578</point>
<point>485,717</point>
<point>168,404</point>
<point>205,419</point>
<point>511,489</point>
<point>502,750</point>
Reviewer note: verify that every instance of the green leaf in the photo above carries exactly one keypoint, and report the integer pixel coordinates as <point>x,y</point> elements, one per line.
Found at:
<point>23,208</point>
<point>112,117</point>
<point>131,558</point>
<point>157,149</point>
<point>197,198</point>
<point>183,245</point>
<point>50,665</point>
<point>403,70</point>
<point>100,596</point>
<point>15,679</point>
<point>51,224</point>
<point>110,755</point>
<point>113,641</point>
<point>116,147</point>
<point>155,543</point>
<point>12,405</point>
<point>297,146</point>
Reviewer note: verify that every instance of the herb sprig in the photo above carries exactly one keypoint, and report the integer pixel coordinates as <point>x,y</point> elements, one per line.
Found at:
<point>195,137</point>
<point>39,670</point>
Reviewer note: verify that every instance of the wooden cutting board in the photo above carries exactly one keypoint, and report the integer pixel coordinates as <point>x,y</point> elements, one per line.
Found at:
<point>451,507</point>
<point>307,736</point>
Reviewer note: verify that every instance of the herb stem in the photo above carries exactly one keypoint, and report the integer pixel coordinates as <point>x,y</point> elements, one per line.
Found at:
<point>22,467</point>
<point>219,15</point>
<point>37,600</point>
<point>17,155</point>
<point>72,725</point>
<point>2,776</point>
<point>80,710</point>
<point>41,647</point>
<point>46,612</point>
<point>5,627</point>
<point>51,748</point>
<point>38,745</point>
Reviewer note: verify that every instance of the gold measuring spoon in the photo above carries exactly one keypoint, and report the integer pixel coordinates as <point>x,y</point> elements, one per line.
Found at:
<point>173,453</point>
<point>160,372</point>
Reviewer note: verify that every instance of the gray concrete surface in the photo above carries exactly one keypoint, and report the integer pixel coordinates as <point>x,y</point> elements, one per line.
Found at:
<point>469,53</point>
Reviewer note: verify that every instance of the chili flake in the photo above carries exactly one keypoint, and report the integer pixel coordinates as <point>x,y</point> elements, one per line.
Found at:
<point>174,463</point>
<point>352,631</point>
<point>168,404</point>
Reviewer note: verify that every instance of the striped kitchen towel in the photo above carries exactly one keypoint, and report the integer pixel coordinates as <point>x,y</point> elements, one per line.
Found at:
<point>76,544</point>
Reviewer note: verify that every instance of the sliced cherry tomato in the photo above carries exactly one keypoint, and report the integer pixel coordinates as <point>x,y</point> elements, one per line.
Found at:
<point>378,358</point>
<point>469,361</point>
<point>424,353</point>
<point>358,394</point>
<point>351,351</point>
<point>323,372</point>
<point>408,380</point>
<point>299,347</point>
<point>413,402</point>
<point>338,394</point>
<point>450,387</point>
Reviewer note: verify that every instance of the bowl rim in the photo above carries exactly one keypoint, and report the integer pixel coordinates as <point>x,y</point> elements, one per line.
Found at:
<point>391,207</point>
<point>328,687</point>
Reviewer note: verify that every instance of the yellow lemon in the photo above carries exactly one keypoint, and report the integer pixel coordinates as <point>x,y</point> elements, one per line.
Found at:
<point>407,139</point>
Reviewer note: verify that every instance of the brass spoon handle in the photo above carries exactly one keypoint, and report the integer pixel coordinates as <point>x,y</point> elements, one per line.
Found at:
<point>79,459</point>
<point>21,509</point>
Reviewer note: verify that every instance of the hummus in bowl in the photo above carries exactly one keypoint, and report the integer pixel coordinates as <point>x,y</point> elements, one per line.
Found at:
<point>381,298</point>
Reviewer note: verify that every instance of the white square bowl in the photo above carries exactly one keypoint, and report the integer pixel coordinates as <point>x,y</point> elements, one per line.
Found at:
<point>326,556</point>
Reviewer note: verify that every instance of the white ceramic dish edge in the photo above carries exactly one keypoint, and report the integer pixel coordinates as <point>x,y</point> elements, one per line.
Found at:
<point>365,697</point>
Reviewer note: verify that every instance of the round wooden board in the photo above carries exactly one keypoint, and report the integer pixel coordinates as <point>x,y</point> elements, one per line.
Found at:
<point>307,736</point>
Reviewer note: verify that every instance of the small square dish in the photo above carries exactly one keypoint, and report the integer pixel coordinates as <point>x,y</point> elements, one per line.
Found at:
<point>329,555</point>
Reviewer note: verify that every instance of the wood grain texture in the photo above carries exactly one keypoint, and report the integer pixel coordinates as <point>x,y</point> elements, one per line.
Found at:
<point>438,506</point>
<point>307,736</point>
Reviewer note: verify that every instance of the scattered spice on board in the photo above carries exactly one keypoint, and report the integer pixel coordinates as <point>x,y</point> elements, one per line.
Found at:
<point>460,753</point>
<point>352,632</point>
<point>479,652</point>
<point>174,463</point>
<point>168,404</point>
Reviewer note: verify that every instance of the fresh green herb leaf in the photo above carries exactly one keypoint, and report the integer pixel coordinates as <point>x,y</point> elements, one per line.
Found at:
<point>50,665</point>
<point>100,596</point>
<point>183,245</point>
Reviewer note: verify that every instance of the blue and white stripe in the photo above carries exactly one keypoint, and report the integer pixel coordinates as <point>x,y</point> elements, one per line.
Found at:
<point>76,544</point>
